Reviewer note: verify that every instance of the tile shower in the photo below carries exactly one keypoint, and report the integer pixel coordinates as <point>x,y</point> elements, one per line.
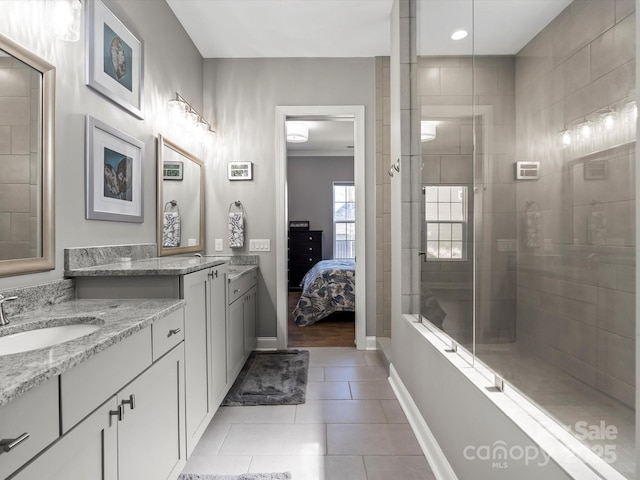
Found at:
<point>537,274</point>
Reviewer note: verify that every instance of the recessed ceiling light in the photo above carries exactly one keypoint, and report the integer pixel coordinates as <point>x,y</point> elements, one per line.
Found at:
<point>459,34</point>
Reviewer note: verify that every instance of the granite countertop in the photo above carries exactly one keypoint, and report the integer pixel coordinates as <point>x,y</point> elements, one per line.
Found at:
<point>237,271</point>
<point>172,265</point>
<point>118,319</point>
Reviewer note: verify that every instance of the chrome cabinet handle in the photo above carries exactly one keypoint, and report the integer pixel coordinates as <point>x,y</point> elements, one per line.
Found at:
<point>236,290</point>
<point>9,444</point>
<point>214,274</point>
<point>131,402</point>
<point>174,331</point>
<point>118,413</point>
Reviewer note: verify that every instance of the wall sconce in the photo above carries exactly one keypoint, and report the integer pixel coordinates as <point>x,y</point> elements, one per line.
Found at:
<point>65,19</point>
<point>297,132</point>
<point>186,117</point>
<point>427,130</point>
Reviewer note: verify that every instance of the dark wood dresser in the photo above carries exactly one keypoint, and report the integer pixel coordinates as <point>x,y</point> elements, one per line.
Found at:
<point>305,250</point>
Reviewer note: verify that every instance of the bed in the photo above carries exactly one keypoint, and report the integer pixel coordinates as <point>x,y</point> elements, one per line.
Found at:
<point>328,287</point>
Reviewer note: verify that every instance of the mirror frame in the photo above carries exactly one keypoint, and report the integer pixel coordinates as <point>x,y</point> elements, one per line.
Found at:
<point>162,251</point>
<point>47,260</point>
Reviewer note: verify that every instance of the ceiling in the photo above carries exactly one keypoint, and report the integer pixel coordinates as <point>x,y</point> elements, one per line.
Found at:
<point>355,28</point>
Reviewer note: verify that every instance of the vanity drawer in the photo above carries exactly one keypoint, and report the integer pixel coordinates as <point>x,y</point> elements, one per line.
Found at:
<point>167,332</point>
<point>88,385</point>
<point>35,413</point>
<point>241,285</point>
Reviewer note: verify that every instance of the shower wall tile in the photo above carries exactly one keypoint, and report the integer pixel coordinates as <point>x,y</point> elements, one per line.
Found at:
<point>624,8</point>
<point>614,48</point>
<point>456,169</point>
<point>617,389</point>
<point>431,169</point>
<point>429,81</point>
<point>579,24</point>
<point>573,74</point>
<point>456,81</point>
<point>616,312</point>
<point>615,356</point>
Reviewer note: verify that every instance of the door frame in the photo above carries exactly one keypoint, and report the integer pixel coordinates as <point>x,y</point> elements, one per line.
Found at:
<point>357,113</point>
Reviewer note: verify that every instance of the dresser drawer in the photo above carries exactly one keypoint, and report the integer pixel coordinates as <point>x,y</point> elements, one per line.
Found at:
<point>34,413</point>
<point>311,236</point>
<point>305,248</point>
<point>241,285</point>
<point>167,332</point>
<point>305,260</point>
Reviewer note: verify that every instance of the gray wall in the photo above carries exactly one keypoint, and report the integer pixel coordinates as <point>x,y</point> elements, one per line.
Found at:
<point>310,193</point>
<point>171,64</point>
<point>242,95</point>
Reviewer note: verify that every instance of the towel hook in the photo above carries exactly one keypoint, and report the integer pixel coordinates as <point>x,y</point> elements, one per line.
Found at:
<point>237,204</point>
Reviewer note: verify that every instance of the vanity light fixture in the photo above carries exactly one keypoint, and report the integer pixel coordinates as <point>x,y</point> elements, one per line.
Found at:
<point>65,20</point>
<point>427,130</point>
<point>459,34</point>
<point>585,129</point>
<point>184,113</point>
<point>565,138</point>
<point>608,119</point>
<point>297,132</point>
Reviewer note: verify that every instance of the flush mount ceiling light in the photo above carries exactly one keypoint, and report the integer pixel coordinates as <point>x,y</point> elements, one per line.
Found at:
<point>459,35</point>
<point>297,132</point>
<point>427,130</point>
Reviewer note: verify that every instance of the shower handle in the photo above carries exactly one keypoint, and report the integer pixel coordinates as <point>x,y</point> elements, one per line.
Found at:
<point>423,254</point>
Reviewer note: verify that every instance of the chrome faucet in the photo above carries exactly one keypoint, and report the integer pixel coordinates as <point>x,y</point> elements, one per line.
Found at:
<point>3,320</point>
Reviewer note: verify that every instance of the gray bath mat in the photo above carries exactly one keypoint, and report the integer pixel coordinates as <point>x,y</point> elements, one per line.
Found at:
<point>271,378</point>
<point>242,476</point>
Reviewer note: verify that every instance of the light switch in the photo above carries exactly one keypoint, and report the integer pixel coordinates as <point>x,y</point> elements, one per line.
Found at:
<point>191,242</point>
<point>259,245</point>
<point>218,245</point>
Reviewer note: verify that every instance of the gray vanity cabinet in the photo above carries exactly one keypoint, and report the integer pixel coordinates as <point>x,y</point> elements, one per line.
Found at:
<point>137,432</point>
<point>205,359</point>
<point>241,320</point>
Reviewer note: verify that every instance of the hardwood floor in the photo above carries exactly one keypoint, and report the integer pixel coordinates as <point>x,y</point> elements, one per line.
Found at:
<point>336,330</point>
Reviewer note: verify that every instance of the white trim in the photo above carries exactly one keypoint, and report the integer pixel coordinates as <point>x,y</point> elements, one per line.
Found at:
<point>358,114</point>
<point>267,343</point>
<point>432,451</point>
<point>371,343</point>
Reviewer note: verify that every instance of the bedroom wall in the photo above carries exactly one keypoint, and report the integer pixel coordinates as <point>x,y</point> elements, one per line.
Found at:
<point>242,95</point>
<point>310,194</point>
<point>171,64</point>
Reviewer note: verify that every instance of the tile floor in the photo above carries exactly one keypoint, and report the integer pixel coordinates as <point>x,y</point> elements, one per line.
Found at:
<point>350,428</point>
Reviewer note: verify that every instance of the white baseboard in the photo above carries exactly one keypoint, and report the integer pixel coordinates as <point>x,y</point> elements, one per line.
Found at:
<point>432,451</point>
<point>371,343</point>
<point>267,343</point>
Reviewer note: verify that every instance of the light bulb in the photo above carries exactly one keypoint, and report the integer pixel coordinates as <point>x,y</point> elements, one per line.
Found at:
<point>459,35</point>
<point>609,119</point>
<point>565,138</point>
<point>585,130</point>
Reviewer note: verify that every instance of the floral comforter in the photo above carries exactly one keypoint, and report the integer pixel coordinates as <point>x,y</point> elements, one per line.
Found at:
<point>328,287</point>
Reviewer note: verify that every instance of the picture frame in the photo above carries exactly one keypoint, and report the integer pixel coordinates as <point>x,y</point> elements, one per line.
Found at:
<point>115,59</point>
<point>240,171</point>
<point>172,170</point>
<point>114,174</point>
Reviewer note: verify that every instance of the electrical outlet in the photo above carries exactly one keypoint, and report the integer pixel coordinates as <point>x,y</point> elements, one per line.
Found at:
<point>191,242</point>
<point>218,245</point>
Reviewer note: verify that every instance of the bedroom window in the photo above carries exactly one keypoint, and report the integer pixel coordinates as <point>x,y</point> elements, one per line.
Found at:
<point>344,220</point>
<point>446,222</point>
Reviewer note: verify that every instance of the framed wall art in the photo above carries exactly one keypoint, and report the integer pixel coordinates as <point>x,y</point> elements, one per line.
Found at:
<point>114,58</point>
<point>113,184</point>
<point>239,171</point>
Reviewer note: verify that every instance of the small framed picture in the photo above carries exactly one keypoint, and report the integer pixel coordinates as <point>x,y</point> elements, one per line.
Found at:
<point>113,184</point>
<point>240,171</point>
<point>114,58</point>
<point>172,170</point>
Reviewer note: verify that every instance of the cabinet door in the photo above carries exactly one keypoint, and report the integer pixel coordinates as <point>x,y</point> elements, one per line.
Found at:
<point>218,341</point>
<point>235,345</point>
<point>88,451</point>
<point>250,320</point>
<point>197,357</point>
<point>150,435</point>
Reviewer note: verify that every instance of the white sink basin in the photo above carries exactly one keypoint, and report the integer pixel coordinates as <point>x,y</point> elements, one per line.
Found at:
<point>43,337</point>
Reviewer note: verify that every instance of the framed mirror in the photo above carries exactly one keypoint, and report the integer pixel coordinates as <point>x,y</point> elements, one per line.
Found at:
<point>180,200</point>
<point>27,96</point>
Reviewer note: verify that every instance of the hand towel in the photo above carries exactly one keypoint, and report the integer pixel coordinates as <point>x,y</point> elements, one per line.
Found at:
<point>532,229</point>
<point>171,229</point>
<point>236,229</point>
